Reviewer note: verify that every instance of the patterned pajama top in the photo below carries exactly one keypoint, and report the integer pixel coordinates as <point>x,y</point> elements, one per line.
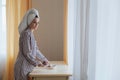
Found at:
<point>28,56</point>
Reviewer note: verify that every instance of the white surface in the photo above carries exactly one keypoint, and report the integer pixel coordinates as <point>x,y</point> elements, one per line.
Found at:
<point>61,69</point>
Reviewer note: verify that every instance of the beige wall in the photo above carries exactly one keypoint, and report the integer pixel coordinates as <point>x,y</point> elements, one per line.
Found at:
<point>49,35</point>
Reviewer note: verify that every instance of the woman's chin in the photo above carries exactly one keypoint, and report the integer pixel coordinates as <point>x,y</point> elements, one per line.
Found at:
<point>35,28</point>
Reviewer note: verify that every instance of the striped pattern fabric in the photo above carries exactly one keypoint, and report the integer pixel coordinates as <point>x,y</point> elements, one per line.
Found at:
<point>28,57</point>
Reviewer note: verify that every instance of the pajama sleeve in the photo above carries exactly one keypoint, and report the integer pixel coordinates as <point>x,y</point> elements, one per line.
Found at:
<point>39,55</point>
<point>27,52</point>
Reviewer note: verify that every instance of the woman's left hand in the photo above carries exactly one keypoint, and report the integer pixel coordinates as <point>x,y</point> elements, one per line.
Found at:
<point>46,62</point>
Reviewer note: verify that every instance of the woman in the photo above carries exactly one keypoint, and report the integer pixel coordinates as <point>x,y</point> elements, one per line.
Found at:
<point>29,55</point>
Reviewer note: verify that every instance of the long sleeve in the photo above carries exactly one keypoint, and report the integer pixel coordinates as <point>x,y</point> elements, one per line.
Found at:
<point>39,55</point>
<point>27,52</point>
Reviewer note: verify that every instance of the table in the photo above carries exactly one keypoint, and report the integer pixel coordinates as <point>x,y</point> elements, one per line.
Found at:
<point>59,72</point>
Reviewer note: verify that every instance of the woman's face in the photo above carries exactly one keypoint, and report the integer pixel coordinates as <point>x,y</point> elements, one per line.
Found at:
<point>35,23</point>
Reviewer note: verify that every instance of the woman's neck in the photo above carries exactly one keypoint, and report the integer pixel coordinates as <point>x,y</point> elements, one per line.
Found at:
<point>31,29</point>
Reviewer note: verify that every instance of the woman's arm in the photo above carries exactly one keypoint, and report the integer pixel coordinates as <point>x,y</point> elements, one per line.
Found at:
<point>41,57</point>
<point>27,52</point>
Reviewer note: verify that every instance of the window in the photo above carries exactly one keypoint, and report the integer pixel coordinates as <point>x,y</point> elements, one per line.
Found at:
<point>3,30</point>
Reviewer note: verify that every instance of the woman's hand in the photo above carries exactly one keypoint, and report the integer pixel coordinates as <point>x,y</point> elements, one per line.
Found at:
<point>46,62</point>
<point>40,65</point>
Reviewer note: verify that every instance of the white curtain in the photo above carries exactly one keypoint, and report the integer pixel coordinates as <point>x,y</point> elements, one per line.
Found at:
<point>2,37</point>
<point>81,28</point>
<point>97,41</point>
<point>104,37</point>
<point>73,37</point>
<point>76,47</point>
<point>108,40</point>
